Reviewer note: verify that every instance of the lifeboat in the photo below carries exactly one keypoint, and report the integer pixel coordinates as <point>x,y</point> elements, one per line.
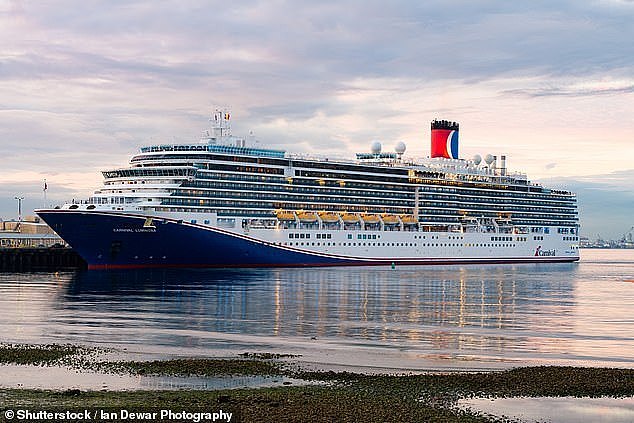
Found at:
<point>350,218</point>
<point>307,217</point>
<point>408,219</point>
<point>285,215</point>
<point>370,218</point>
<point>329,217</point>
<point>390,219</point>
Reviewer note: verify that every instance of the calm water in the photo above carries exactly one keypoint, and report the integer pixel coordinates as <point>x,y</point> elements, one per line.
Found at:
<point>458,317</point>
<point>560,410</point>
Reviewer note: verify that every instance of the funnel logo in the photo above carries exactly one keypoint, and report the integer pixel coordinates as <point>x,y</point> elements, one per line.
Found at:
<point>444,143</point>
<point>544,253</point>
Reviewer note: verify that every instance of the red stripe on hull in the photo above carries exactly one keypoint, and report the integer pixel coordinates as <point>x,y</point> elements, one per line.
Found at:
<point>352,263</point>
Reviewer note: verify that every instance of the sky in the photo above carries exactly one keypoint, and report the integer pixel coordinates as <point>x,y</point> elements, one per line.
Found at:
<point>84,84</point>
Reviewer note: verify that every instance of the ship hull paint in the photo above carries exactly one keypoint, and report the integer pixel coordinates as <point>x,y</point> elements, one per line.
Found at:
<point>121,241</point>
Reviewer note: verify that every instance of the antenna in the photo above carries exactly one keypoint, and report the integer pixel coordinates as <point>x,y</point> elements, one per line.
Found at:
<point>221,122</point>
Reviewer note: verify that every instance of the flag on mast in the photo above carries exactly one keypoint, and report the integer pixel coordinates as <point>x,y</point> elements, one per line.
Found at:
<point>44,191</point>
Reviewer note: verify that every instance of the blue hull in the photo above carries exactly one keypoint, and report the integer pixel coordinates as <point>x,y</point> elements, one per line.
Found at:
<point>117,241</point>
<point>122,241</point>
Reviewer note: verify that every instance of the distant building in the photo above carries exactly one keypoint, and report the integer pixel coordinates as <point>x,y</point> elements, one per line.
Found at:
<point>626,241</point>
<point>28,233</point>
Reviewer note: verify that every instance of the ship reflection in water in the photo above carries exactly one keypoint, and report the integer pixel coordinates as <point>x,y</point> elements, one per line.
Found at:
<point>406,318</point>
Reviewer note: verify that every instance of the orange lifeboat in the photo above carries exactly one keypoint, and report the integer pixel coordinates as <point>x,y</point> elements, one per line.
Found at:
<point>409,219</point>
<point>350,218</point>
<point>307,217</point>
<point>329,217</point>
<point>285,215</point>
<point>370,218</point>
<point>390,219</point>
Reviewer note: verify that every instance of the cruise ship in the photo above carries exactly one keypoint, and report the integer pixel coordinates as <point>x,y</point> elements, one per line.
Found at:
<point>227,202</point>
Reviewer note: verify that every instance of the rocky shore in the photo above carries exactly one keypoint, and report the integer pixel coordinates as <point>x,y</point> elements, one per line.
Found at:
<point>326,395</point>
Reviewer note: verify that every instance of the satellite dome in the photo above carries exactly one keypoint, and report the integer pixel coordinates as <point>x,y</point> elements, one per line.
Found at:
<point>488,159</point>
<point>400,147</point>
<point>376,147</point>
<point>477,159</point>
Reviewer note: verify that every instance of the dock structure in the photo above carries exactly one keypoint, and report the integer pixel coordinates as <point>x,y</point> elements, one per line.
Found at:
<point>30,245</point>
<point>29,232</point>
<point>39,259</point>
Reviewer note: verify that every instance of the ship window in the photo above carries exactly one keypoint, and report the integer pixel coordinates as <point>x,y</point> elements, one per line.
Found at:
<point>307,236</point>
<point>318,236</point>
<point>290,235</point>
<point>329,236</point>
<point>349,236</point>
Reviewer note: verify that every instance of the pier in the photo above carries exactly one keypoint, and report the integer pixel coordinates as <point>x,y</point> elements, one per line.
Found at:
<point>39,259</point>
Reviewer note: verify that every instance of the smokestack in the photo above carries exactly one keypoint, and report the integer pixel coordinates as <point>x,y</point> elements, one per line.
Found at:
<point>494,166</point>
<point>503,166</point>
<point>444,139</point>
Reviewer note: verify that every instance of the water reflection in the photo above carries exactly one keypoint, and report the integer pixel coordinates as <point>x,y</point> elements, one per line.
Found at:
<point>57,378</point>
<point>525,314</point>
<point>562,410</point>
<point>448,308</point>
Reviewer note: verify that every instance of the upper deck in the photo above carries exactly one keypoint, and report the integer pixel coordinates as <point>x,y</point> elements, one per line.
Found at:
<point>204,156</point>
<point>214,148</point>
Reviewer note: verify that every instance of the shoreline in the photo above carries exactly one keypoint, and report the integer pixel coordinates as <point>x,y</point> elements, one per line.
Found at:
<point>306,393</point>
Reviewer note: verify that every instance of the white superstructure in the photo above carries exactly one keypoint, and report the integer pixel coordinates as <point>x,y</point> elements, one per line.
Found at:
<point>381,207</point>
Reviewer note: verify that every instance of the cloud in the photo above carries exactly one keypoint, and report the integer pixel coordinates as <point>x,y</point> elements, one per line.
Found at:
<point>550,166</point>
<point>579,90</point>
<point>84,84</point>
<point>297,40</point>
<point>605,201</point>
<point>33,193</point>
